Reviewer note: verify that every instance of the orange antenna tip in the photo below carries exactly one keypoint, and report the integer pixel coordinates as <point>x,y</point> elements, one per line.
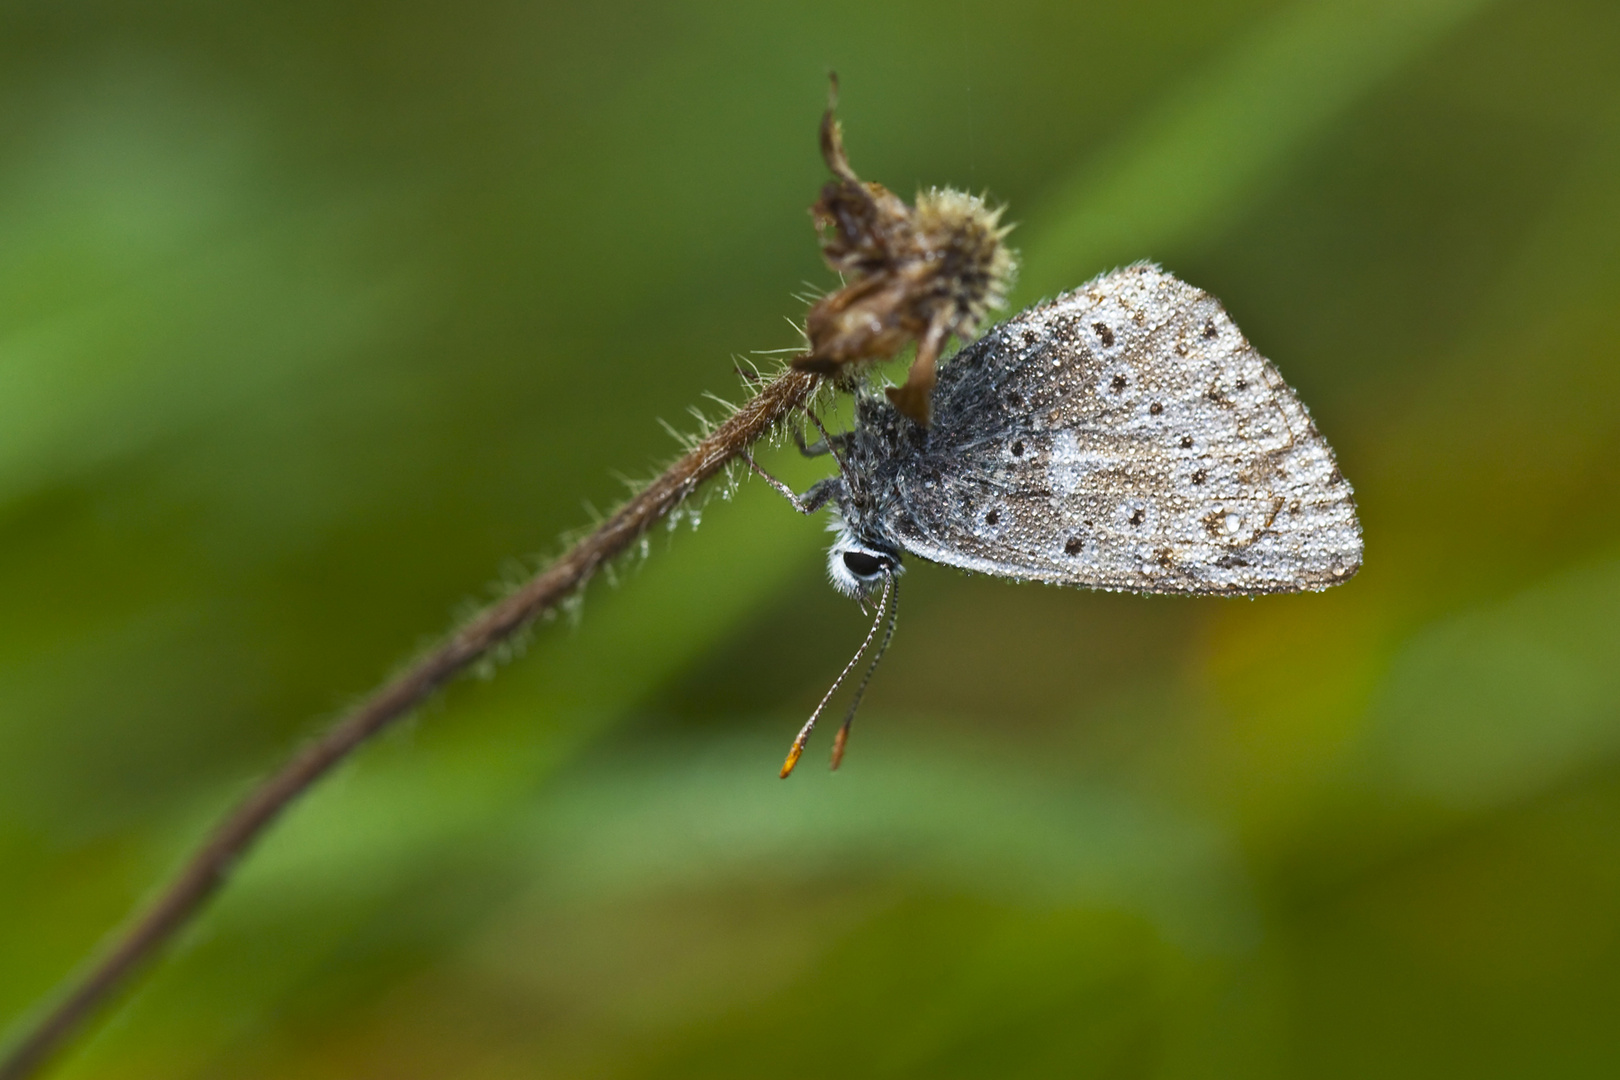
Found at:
<point>838,746</point>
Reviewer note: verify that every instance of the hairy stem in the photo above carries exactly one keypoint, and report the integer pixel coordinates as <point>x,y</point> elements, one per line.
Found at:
<point>211,865</point>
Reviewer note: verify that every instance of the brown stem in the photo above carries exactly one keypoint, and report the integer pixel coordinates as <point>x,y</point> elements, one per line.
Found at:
<point>208,869</point>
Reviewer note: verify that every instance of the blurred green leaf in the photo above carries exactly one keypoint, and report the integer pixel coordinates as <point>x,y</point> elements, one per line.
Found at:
<point>1214,142</point>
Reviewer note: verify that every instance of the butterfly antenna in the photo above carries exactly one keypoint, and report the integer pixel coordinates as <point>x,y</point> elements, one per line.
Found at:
<point>890,582</point>
<point>809,725</point>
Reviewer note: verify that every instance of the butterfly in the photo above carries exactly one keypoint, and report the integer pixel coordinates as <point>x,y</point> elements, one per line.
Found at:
<point>1123,436</point>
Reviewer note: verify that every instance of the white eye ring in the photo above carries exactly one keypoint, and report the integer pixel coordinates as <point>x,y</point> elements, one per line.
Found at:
<point>856,568</point>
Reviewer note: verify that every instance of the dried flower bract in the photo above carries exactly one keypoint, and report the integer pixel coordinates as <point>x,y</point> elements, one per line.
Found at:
<point>917,273</point>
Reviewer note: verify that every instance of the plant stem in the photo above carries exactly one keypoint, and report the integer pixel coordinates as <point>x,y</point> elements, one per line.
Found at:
<point>203,874</point>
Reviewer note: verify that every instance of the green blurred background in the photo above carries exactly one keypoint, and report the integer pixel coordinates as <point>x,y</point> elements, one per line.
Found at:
<point>317,321</point>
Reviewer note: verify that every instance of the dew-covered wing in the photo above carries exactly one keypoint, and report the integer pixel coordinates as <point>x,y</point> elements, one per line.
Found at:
<point>1123,436</point>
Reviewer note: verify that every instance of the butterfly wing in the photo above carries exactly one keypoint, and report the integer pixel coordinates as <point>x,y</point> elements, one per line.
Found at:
<point>1123,436</point>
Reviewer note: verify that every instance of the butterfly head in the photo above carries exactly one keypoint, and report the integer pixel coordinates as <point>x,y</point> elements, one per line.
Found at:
<point>858,565</point>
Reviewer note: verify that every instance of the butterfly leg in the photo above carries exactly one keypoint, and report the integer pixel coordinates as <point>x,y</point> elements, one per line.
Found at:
<point>831,443</point>
<point>815,449</point>
<point>821,447</point>
<point>820,493</point>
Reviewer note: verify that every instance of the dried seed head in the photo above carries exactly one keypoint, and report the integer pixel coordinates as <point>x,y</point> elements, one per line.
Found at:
<point>917,273</point>
<point>966,236</point>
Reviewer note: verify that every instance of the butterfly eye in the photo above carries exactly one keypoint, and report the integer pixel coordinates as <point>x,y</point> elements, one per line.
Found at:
<point>865,565</point>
